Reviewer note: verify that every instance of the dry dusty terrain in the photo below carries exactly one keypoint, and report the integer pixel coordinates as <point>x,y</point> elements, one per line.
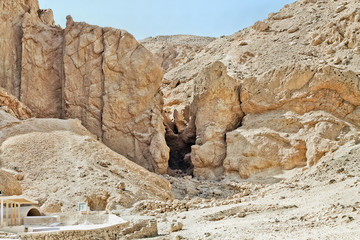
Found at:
<point>318,203</point>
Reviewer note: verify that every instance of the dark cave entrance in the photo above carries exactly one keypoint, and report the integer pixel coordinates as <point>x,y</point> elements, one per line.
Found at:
<point>180,154</point>
<point>180,142</point>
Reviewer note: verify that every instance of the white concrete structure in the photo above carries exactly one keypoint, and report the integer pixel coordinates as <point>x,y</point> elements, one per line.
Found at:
<point>16,208</point>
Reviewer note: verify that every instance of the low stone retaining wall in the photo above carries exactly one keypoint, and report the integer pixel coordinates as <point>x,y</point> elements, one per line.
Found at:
<point>109,233</point>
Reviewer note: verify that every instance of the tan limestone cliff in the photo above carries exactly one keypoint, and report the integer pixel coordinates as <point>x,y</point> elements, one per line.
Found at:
<point>284,139</point>
<point>302,61</point>
<point>101,76</point>
<point>83,83</point>
<point>294,116</point>
<point>112,85</point>
<point>175,50</point>
<point>133,102</point>
<point>11,13</point>
<point>41,66</point>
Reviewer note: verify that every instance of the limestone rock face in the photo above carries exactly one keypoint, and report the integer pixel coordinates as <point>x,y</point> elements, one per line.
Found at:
<point>41,67</point>
<point>83,87</point>
<point>284,139</point>
<point>46,16</point>
<point>133,99</point>
<point>9,185</point>
<point>298,69</point>
<point>295,115</point>
<point>302,89</point>
<point>112,85</point>
<point>10,42</point>
<point>101,76</point>
<point>215,110</point>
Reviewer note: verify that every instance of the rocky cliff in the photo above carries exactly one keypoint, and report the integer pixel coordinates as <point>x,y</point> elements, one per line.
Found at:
<point>298,76</point>
<point>282,93</point>
<point>12,13</point>
<point>101,76</point>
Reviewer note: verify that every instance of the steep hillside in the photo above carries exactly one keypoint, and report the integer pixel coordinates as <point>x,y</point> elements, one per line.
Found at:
<point>298,84</point>
<point>59,163</point>
<point>175,50</point>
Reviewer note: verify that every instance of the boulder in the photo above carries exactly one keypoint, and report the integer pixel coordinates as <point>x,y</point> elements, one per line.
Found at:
<point>11,105</point>
<point>9,185</point>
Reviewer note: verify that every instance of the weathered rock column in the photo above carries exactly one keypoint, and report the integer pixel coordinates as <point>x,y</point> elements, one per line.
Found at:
<point>215,110</point>
<point>42,65</point>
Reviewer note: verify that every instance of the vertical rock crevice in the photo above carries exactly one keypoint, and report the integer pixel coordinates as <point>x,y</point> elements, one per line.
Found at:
<point>102,88</point>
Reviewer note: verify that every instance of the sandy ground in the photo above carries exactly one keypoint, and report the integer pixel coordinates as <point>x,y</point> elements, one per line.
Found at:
<point>321,202</point>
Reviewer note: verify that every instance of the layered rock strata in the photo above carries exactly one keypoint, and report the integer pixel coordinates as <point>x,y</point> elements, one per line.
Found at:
<point>297,69</point>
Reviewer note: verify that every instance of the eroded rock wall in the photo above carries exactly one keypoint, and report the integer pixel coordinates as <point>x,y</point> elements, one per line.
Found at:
<point>295,115</point>
<point>215,110</point>
<point>132,120</point>
<point>172,51</point>
<point>112,84</point>
<point>41,65</point>
<point>11,14</point>
<point>83,84</point>
<point>284,139</point>
<point>101,76</point>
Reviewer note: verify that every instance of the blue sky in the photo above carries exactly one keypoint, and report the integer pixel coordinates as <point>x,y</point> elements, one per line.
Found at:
<point>145,18</point>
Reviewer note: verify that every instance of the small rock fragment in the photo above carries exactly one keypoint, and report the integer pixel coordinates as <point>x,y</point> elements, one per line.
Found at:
<point>340,8</point>
<point>176,226</point>
<point>293,29</point>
